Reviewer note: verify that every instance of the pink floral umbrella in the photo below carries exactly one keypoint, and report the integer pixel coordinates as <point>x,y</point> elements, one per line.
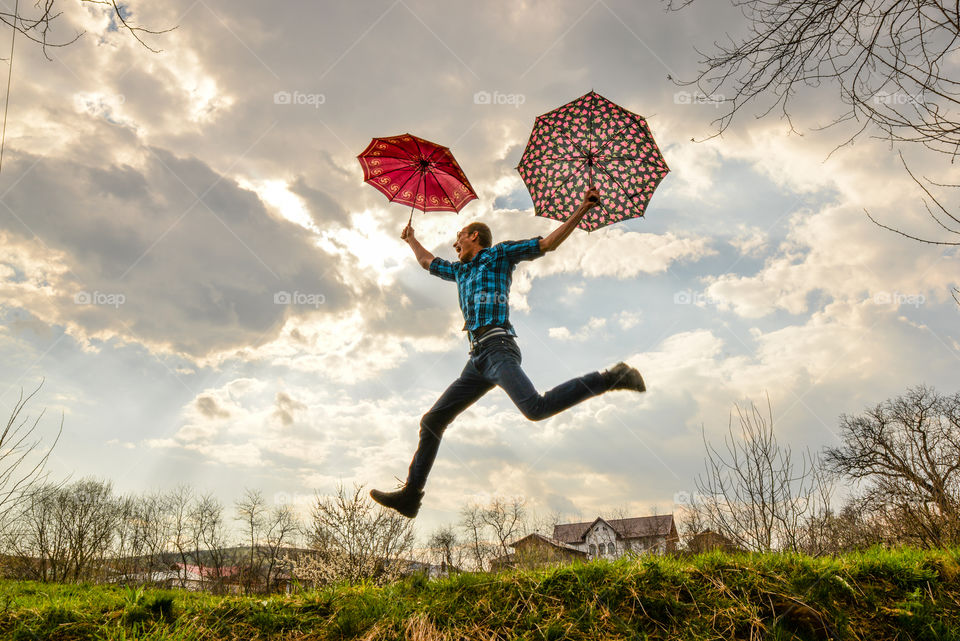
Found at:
<point>591,142</point>
<point>416,172</point>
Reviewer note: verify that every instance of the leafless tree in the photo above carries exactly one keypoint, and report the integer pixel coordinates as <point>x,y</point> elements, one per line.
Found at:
<point>208,537</point>
<point>66,532</point>
<point>474,529</point>
<point>266,532</point>
<point>855,526</point>
<point>888,60</point>
<point>891,63</point>
<point>506,520</point>
<point>755,494</point>
<point>445,547</point>
<point>907,451</point>
<point>179,505</point>
<point>41,542</point>
<point>35,20</point>
<point>143,534</point>
<point>155,511</point>
<point>940,215</point>
<point>690,522</point>
<point>129,544</point>
<point>92,524</point>
<point>251,512</point>
<point>22,459</point>
<point>355,540</point>
<point>280,532</point>
<point>950,223</point>
<point>545,523</point>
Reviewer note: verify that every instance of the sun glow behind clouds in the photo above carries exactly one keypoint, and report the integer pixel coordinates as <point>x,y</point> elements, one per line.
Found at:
<point>373,246</point>
<point>276,194</point>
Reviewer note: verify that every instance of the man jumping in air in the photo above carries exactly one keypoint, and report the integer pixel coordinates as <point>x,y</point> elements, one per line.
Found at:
<point>483,276</point>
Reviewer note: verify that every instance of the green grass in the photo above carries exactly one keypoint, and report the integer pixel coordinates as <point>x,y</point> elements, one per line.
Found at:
<point>878,594</point>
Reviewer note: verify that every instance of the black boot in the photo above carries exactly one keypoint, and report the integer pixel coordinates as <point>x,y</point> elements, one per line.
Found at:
<point>622,376</point>
<point>406,500</point>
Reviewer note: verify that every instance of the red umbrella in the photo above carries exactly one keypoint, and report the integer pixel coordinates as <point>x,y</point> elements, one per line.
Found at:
<point>416,172</point>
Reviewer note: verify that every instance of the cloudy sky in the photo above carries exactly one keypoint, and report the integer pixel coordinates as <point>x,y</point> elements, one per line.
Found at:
<point>153,205</point>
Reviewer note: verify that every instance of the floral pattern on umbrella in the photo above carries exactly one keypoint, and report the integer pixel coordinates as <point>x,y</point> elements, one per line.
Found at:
<point>591,142</point>
<point>416,172</point>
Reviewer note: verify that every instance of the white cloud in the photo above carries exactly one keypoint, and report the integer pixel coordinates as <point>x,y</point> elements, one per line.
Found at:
<point>592,329</point>
<point>628,320</point>
<point>750,241</point>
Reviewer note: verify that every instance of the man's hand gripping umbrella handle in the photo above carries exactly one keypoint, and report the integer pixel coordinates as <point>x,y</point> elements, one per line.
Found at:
<point>590,200</point>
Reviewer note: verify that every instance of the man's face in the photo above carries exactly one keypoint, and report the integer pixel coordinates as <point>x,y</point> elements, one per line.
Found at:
<point>467,244</point>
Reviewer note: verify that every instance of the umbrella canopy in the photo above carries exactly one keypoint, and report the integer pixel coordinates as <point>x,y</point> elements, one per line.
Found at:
<point>591,142</point>
<point>416,172</point>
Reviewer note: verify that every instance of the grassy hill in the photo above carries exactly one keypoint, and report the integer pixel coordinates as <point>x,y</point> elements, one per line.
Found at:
<point>879,594</point>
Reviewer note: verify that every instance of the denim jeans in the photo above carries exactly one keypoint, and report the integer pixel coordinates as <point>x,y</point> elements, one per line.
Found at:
<point>495,362</point>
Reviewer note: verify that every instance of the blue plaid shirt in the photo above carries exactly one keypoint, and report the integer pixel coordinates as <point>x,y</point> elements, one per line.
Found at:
<point>483,282</point>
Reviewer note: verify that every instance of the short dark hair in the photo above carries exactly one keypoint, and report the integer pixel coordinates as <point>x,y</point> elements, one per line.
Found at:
<point>485,237</point>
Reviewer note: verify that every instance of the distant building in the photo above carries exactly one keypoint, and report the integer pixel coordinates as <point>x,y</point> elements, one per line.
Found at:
<point>613,538</point>
<point>536,549</point>
<point>407,567</point>
<point>710,540</point>
<point>188,577</point>
<point>597,539</point>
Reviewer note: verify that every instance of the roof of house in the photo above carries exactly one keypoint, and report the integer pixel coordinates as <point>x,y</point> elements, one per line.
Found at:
<point>658,525</point>
<point>710,534</point>
<point>546,539</point>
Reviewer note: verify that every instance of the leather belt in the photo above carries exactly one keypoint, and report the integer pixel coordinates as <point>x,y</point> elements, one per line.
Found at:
<point>490,333</point>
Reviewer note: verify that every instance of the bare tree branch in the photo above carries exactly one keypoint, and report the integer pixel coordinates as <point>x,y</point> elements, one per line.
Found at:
<point>36,23</point>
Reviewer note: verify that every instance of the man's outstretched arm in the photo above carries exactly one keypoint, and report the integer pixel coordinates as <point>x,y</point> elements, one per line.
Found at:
<point>590,200</point>
<point>423,256</point>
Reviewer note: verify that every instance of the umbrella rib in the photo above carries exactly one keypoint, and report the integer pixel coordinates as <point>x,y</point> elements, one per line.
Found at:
<point>390,171</point>
<point>619,158</point>
<point>413,206</point>
<point>419,149</point>
<point>392,198</point>
<point>460,177</point>
<point>436,148</point>
<point>563,132</point>
<point>572,174</point>
<point>592,136</point>
<point>572,141</point>
<point>622,188</point>
<point>560,158</point>
<point>420,180</point>
<point>440,185</point>
<point>406,153</point>
<point>611,138</point>
<point>439,166</point>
